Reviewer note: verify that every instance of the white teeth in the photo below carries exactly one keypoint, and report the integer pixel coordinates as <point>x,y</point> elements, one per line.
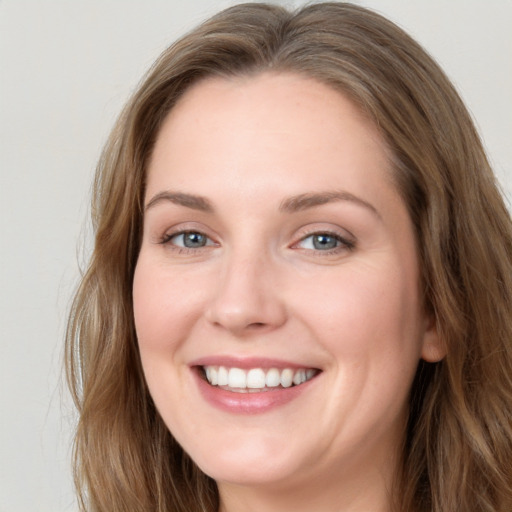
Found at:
<point>212,375</point>
<point>273,378</point>
<point>257,378</point>
<point>223,379</point>
<point>299,377</point>
<point>237,378</point>
<point>286,378</point>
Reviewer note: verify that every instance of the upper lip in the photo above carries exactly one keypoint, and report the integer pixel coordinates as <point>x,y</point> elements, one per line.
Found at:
<point>248,362</point>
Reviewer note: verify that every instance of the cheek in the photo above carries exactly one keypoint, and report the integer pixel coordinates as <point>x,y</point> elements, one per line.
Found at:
<point>163,316</point>
<point>370,311</point>
<point>163,304</point>
<point>368,320</point>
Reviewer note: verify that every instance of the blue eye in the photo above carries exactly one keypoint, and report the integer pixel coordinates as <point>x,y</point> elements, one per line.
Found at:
<point>189,240</point>
<point>324,242</point>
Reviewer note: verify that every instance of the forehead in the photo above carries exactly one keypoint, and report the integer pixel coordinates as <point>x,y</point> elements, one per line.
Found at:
<point>267,100</point>
<point>298,113</point>
<point>266,120</point>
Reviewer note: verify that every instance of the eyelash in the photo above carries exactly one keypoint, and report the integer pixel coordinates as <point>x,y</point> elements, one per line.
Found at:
<point>344,244</point>
<point>167,238</point>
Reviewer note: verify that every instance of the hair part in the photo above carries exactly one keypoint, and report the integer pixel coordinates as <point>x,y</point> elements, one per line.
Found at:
<point>125,457</point>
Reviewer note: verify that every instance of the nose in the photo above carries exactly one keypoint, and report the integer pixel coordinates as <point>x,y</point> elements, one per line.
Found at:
<point>248,297</point>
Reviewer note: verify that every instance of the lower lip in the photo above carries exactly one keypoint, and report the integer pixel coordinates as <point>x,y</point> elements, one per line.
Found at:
<point>249,403</point>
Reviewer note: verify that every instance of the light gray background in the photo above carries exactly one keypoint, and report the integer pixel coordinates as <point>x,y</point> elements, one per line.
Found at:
<point>66,68</point>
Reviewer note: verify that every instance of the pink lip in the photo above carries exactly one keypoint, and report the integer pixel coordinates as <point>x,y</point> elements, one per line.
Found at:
<point>246,403</point>
<point>246,362</point>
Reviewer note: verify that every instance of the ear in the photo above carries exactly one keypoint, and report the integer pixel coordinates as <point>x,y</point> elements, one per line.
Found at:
<point>433,348</point>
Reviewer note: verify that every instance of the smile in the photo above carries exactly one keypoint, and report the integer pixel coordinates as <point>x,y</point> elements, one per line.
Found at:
<point>256,379</point>
<point>252,385</point>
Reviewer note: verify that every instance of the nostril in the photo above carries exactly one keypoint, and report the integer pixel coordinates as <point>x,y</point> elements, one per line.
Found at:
<point>256,325</point>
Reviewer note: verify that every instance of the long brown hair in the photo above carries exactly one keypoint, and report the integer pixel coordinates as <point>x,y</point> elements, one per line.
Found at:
<point>457,454</point>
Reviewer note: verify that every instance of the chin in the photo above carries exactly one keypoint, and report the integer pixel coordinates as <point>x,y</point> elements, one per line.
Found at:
<point>248,466</point>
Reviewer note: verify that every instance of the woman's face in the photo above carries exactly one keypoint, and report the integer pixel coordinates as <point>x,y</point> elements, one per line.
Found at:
<point>278,262</point>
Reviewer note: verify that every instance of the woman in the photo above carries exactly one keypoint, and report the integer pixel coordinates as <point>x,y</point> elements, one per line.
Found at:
<point>300,291</point>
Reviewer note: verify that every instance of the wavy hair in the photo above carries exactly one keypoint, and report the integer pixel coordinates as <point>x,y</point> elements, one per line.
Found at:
<point>457,455</point>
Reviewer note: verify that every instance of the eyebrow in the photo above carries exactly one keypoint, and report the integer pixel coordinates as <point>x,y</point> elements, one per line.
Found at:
<point>290,205</point>
<point>310,200</point>
<point>180,198</point>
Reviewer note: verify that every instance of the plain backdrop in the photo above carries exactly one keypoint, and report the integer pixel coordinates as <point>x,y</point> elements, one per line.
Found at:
<point>66,68</point>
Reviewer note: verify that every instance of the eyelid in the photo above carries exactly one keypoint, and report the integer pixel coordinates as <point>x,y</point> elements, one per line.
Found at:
<point>182,229</point>
<point>169,236</point>
<point>347,240</point>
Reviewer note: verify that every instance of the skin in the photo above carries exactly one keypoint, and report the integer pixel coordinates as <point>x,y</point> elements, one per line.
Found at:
<point>261,288</point>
